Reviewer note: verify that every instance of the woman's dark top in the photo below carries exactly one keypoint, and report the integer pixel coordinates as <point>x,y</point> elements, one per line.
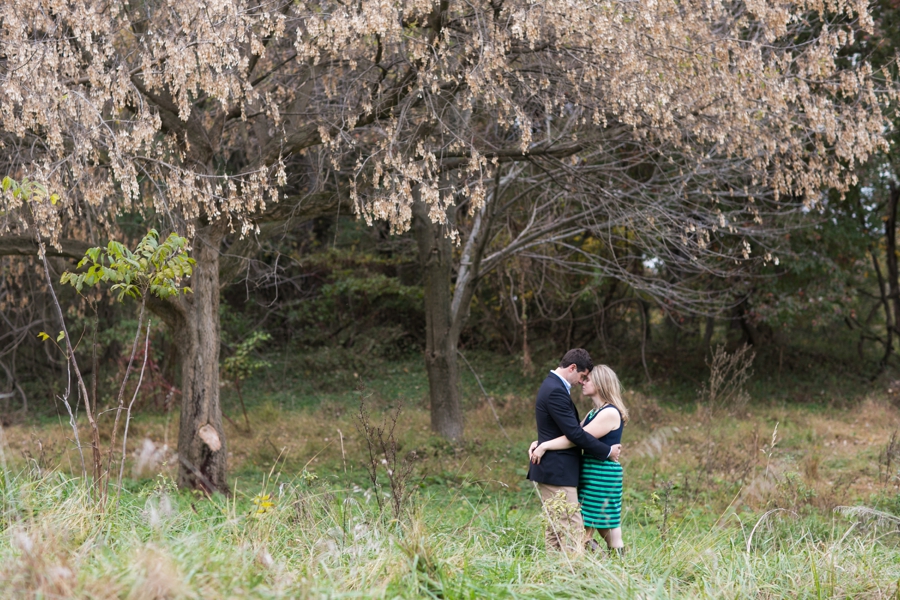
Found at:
<point>614,436</point>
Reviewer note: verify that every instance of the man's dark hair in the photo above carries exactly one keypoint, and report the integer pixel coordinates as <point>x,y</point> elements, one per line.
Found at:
<point>578,357</point>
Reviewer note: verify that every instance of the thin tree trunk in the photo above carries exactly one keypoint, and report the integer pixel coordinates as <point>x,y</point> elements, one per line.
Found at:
<point>201,438</point>
<point>751,334</point>
<point>82,389</point>
<point>137,390</point>
<point>121,397</point>
<point>527,364</point>
<point>441,338</point>
<point>708,332</point>
<point>645,335</point>
<point>888,342</point>
<point>890,236</point>
<point>604,313</point>
<point>888,315</point>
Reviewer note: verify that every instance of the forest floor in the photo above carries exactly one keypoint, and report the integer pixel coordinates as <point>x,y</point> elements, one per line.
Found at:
<point>768,499</point>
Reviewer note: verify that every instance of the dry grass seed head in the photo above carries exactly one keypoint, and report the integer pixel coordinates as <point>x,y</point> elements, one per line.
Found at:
<point>158,576</point>
<point>42,566</point>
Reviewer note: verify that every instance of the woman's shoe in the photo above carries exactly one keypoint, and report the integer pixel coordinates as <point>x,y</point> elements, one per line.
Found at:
<point>617,552</point>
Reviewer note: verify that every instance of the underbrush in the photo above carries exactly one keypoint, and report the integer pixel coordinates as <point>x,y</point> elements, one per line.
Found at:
<point>313,538</point>
<point>734,499</point>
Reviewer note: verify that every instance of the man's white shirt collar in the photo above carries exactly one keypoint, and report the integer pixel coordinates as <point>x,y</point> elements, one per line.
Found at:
<point>567,384</point>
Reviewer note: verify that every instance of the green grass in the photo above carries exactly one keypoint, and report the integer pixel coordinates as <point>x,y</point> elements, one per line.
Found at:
<point>696,490</point>
<point>321,540</point>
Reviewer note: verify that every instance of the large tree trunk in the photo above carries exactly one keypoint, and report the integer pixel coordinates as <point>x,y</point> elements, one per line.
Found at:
<point>201,439</point>
<point>195,323</point>
<point>442,334</point>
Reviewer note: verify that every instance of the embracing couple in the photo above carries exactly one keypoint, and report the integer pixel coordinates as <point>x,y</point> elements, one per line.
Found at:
<point>575,463</point>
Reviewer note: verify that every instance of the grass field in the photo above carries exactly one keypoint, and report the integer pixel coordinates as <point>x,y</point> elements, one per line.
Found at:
<point>771,500</point>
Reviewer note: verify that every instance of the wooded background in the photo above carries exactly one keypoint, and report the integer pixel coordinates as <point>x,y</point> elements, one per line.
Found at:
<point>502,178</point>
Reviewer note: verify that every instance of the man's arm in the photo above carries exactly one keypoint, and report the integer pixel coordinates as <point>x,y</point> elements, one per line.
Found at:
<point>559,406</point>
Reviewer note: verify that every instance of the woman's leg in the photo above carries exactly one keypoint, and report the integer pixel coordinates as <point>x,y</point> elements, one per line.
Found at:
<point>613,537</point>
<point>589,542</point>
<point>604,533</point>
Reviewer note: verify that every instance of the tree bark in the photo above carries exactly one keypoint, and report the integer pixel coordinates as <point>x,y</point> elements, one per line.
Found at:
<point>890,237</point>
<point>194,322</point>
<point>201,438</point>
<point>442,330</point>
<point>889,324</point>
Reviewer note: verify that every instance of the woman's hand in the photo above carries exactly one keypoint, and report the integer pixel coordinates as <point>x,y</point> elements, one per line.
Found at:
<point>537,453</point>
<point>531,448</point>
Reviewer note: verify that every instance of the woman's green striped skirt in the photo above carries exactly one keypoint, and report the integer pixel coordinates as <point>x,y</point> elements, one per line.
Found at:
<point>600,493</point>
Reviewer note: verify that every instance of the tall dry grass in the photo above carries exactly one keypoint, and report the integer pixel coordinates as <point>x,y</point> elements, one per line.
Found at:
<point>321,541</point>
<point>727,498</point>
<point>765,501</point>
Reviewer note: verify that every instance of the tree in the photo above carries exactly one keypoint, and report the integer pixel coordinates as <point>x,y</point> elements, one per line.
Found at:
<point>205,115</point>
<point>875,211</point>
<point>165,111</point>
<point>686,173</point>
<point>154,269</point>
<point>843,266</point>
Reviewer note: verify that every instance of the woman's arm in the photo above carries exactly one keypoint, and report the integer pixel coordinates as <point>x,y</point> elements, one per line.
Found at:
<point>560,443</point>
<point>606,421</point>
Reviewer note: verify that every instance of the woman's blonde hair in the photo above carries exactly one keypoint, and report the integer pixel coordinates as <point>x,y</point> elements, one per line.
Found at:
<point>609,388</point>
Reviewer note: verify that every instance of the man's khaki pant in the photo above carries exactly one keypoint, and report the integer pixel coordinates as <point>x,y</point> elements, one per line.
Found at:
<point>562,514</point>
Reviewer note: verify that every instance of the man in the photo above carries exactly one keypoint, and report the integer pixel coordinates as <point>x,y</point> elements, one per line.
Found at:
<point>557,474</point>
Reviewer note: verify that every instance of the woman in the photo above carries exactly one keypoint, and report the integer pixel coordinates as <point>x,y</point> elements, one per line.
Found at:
<point>600,483</point>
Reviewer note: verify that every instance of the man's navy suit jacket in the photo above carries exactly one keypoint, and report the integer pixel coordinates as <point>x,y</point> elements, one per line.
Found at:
<point>556,415</point>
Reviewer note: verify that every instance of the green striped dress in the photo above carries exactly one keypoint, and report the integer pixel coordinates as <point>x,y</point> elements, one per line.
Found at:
<point>600,483</point>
